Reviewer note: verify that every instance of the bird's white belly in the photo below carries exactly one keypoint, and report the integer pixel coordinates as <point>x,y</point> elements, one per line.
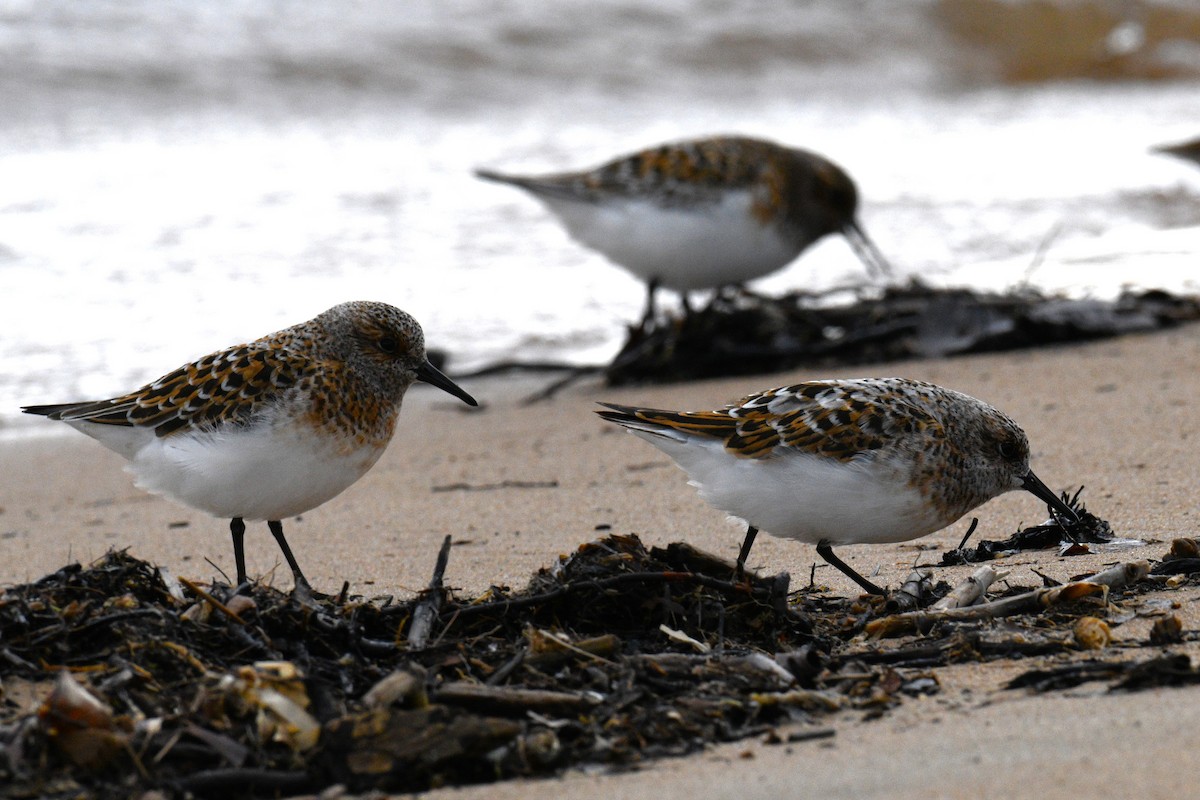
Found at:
<point>258,474</point>
<point>807,497</point>
<point>701,248</point>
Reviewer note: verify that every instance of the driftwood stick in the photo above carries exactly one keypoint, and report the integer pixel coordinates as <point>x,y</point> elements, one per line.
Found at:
<point>525,366</point>
<point>1120,575</point>
<point>969,591</point>
<point>908,596</point>
<point>684,557</point>
<point>212,601</point>
<point>426,609</point>
<point>1036,600</point>
<point>503,699</point>
<point>557,386</point>
<point>507,668</point>
<point>553,651</point>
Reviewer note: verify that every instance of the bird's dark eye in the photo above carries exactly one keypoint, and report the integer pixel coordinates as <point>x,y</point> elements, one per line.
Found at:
<point>1009,451</point>
<point>389,345</point>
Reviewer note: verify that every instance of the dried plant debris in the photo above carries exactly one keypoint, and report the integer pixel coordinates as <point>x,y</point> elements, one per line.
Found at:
<point>742,333</point>
<point>118,678</point>
<point>1071,535</point>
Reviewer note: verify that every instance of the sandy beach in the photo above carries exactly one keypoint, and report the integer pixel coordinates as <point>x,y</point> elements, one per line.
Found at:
<point>518,483</point>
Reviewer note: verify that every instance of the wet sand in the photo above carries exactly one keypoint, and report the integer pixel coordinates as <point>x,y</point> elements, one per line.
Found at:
<point>516,484</point>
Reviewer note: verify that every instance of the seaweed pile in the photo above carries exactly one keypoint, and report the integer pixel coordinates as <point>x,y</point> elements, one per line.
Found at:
<point>119,678</point>
<point>1085,529</point>
<point>741,333</point>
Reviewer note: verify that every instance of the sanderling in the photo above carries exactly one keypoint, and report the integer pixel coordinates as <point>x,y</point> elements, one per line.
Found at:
<point>845,461</point>
<point>705,213</point>
<point>273,428</point>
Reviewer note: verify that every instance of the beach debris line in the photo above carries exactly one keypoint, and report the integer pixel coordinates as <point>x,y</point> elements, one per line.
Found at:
<point>616,654</point>
<point>744,333</point>
<point>1170,670</point>
<point>740,332</point>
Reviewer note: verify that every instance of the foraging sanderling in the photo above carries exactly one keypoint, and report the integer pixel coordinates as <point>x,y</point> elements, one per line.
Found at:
<point>845,461</point>
<point>273,428</point>
<point>705,213</point>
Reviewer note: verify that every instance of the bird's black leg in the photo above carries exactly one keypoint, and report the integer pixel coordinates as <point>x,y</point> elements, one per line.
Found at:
<point>651,311</point>
<point>826,552</point>
<point>744,553</point>
<point>238,528</point>
<point>277,531</point>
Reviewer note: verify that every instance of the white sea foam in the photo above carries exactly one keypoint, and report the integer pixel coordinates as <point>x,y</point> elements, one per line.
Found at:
<point>177,176</point>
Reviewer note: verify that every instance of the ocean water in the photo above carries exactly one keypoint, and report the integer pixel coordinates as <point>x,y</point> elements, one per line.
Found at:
<point>178,176</point>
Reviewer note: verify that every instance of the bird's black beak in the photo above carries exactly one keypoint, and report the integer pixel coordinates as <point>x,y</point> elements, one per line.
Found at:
<point>867,252</point>
<point>433,376</point>
<point>1041,491</point>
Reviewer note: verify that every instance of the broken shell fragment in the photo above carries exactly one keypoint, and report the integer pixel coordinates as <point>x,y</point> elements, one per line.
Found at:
<point>275,692</point>
<point>1092,634</point>
<point>81,725</point>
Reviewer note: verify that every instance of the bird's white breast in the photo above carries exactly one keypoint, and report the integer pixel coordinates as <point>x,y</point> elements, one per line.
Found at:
<point>258,473</point>
<point>806,497</point>
<point>685,248</point>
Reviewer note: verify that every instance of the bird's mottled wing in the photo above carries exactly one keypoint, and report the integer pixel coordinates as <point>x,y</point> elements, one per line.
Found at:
<point>714,163</point>
<point>825,419</point>
<point>223,387</point>
<point>684,173</point>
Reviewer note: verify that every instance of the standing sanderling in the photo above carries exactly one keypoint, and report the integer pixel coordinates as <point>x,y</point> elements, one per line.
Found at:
<point>273,428</point>
<point>705,213</point>
<point>845,461</point>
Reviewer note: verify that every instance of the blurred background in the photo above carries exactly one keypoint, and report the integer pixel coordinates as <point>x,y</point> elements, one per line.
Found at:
<point>177,176</point>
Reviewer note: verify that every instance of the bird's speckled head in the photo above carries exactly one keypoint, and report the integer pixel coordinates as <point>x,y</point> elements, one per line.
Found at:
<point>1001,449</point>
<point>369,354</point>
<point>985,453</point>
<point>377,341</point>
<point>831,197</point>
